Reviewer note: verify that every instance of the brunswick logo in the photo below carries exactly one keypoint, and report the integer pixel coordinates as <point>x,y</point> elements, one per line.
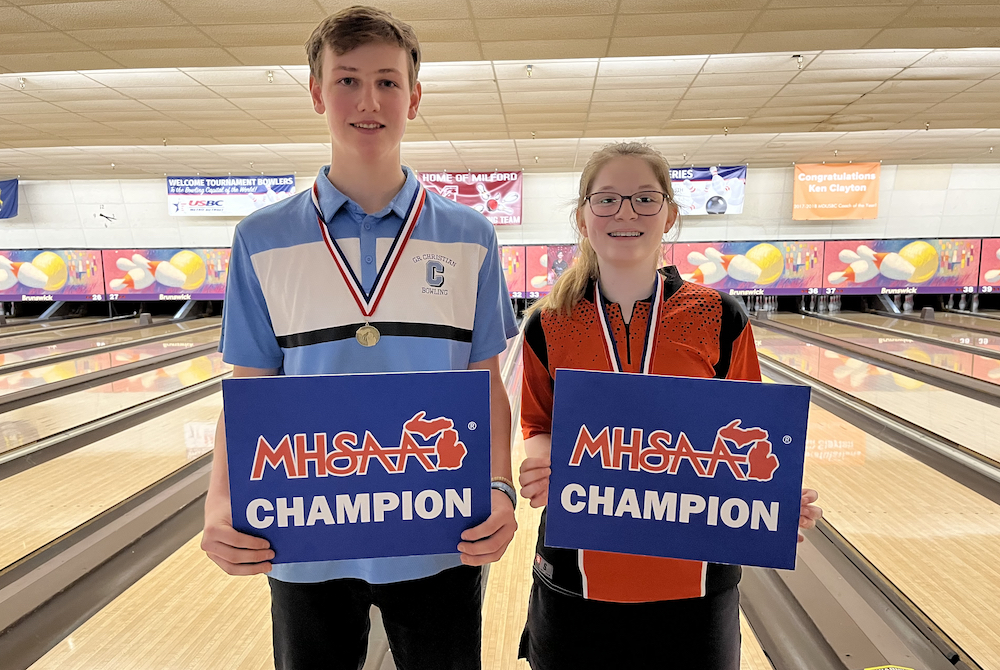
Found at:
<point>658,453</point>
<point>433,443</point>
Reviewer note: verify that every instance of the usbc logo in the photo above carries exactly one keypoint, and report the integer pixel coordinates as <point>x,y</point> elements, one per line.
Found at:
<point>204,203</point>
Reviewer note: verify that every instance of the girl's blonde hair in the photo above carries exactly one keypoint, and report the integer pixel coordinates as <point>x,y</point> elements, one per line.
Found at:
<point>570,286</point>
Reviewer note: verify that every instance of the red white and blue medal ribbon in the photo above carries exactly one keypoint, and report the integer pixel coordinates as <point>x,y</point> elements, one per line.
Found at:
<point>656,309</point>
<point>368,301</point>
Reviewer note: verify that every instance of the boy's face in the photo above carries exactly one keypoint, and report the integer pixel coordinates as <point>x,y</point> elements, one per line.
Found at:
<point>366,97</point>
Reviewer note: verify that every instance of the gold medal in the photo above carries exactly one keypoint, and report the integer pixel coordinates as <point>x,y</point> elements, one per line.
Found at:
<point>367,335</point>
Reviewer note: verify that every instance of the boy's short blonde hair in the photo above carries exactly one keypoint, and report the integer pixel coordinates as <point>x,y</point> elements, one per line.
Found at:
<point>359,25</point>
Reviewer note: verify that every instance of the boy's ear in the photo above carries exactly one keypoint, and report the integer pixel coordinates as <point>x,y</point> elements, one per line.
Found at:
<point>316,93</point>
<point>415,96</point>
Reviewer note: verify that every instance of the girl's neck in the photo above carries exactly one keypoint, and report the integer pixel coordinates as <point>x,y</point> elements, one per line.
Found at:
<point>626,285</point>
<point>372,186</point>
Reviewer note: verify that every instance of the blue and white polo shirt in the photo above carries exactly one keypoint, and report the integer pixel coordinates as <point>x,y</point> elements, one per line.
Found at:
<point>288,307</point>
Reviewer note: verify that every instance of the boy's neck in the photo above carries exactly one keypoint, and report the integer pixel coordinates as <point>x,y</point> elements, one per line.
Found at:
<point>371,186</point>
<point>626,285</point>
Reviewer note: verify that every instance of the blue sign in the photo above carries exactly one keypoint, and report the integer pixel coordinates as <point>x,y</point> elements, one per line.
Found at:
<point>359,466</point>
<point>8,199</point>
<point>699,469</point>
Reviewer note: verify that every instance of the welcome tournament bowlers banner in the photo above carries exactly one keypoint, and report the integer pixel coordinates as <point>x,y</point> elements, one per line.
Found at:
<point>226,196</point>
<point>333,467</point>
<point>700,469</point>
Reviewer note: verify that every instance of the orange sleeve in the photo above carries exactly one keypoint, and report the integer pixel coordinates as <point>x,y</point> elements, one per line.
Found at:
<point>536,396</point>
<point>743,363</point>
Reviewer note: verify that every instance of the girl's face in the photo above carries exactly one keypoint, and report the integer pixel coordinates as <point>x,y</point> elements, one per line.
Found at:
<point>626,239</point>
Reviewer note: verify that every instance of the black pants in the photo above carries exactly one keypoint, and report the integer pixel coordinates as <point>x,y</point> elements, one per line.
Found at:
<point>570,633</point>
<point>433,623</point>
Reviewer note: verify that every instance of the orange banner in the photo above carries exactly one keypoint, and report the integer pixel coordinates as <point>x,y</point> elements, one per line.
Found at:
<point>835,191</point>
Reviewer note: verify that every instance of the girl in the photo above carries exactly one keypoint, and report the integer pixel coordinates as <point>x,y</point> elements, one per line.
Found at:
<point>591,609</point>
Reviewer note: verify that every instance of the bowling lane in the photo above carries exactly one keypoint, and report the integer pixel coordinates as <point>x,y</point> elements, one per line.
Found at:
<point>87,363</point>
<point>49,335</point>
<point>21,325</point>
<point>960,320</point>
<point>40,353</point>
<point>41,420</point>
<point>946,333</point>
<point>933,538</point>
<point>968,422</point>
<point>43,502</point>
<point>986,369</point>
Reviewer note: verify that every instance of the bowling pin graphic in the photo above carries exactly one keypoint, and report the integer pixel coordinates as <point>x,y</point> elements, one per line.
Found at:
<point>718,182</point>
<point>858,271</point>
<point>136,278</point>
<point>162,271</point>
<point>737,266</point>
<point>891,265</point>
<point>706,272</point>
<point>993,276</point>
<point>26,273</point>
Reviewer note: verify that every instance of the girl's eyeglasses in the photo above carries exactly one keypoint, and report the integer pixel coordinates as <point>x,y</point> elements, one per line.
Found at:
<point>644,203</point>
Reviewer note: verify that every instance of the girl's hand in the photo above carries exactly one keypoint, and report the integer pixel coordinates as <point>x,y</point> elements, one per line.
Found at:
<point>809,514</point>
<point>534,480</point>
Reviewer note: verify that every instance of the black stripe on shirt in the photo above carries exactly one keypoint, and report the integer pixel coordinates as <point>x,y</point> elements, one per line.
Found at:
<point>385,329</point>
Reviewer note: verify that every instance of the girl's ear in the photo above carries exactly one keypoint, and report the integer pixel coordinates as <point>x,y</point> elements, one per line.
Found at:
<point>672,213</point>
<point>581,225</point>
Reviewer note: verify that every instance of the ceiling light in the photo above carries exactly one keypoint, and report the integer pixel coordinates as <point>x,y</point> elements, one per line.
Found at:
<point>798,59</point>
<point>527,69</point>
<point>270,76</point>
<point>20,83</point>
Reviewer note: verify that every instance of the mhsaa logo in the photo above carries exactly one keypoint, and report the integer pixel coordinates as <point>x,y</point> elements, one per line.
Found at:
<point>745,452</point>
<point>433,443</point>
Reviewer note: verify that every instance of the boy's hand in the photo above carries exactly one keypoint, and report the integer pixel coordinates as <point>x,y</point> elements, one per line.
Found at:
<point>486,542</point>
<point>235,552</point>
<point>809,514</point>
<point>534,480</point>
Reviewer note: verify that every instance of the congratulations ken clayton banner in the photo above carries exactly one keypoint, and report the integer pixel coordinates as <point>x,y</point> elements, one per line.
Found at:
<point>359,466</point>
<point>700,469</point>
<point>835,191</point>
<point>496,195</point>
<point>226,196</point>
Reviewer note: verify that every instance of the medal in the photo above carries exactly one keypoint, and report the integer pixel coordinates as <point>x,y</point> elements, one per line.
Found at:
<point>367,335</point>
<point>656,309</point>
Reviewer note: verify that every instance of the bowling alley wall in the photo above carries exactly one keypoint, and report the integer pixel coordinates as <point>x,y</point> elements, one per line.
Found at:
<point>949,208</point>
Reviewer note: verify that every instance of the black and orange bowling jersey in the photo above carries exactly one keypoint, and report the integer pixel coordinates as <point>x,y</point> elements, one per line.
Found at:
<point>702,333</point>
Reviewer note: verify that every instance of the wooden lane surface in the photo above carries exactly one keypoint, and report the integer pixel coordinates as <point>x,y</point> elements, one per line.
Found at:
<point>968,422</point>
<point>41,420</point>
<point>44,351</point>
<point>936,540</point>
<point>52,336</point>
<point>946,333</point>
<point>40,504</point>
<point>30,324</point>
<point>188,614</point>
<point>86,363</point>
<point>956,319</point>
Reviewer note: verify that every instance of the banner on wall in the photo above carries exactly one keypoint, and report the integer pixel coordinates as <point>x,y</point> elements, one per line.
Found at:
<point>989,274</point>
<point>496,195</point>
<point>835,191</point>
<point>226,196</point>
<point>702,191</point>
<point>8,199</point>
<point>48,275</point>
<point>902,266</point>
<point>753,268</point>
<point>512,259</point>
<point>166,274</point>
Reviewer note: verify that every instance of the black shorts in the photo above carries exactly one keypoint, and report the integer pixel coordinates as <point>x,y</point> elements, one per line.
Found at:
<point>567,632</point>
<point>435,622</point>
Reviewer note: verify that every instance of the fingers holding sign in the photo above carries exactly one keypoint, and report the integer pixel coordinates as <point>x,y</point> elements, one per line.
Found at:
<point>809,514</point>
<point>237,553</point>
<point>487,542</point>
<point>534,480</point>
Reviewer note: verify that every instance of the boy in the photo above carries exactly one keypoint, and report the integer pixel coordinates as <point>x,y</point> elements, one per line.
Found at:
<point>314,287</point>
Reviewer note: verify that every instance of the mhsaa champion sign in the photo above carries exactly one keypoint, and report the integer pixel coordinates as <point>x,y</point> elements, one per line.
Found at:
<point>359,466</point>
<point>700,469</point>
